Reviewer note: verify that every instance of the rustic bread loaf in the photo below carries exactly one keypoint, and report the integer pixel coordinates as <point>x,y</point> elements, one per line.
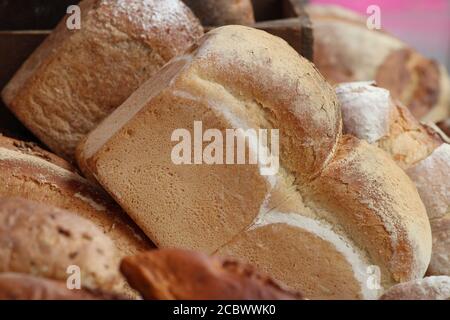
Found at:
<point>45,241</point>
<point>76,78</point>
<point>173,274</point>
<point>430,288</point>
<point>370,113</point>
<point>346,50</point>
<point>29,172</point>
<point>335,207</point>
<point>18,286</point>
<point>445,126</point>
<point>222,12</point>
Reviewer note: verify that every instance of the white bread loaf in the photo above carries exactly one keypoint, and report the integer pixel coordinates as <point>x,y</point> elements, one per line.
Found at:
<point>45,241</point>
<point>31,173</point>
<point>76,78</point>
<point>370,113</point>
<point>430,288</point>
<point>346,50</point>
<point>336,206</point>
<point>222,12</point>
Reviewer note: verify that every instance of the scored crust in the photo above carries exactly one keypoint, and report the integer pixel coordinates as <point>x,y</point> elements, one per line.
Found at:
<point>173,274</point>
<point>419,149</point>
<point>76,78</point>
<point>239,77</point>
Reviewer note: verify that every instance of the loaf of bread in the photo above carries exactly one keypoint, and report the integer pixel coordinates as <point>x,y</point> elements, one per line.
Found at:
<point>222,12</point>
<point>29,172</point>
<point>173,274</point>
<point>346,50</point>
<point>371,114</point>
<point>335,207</point>
<point>445,126</point>
<point>46,241</point>
<point>18,286</point>
<point>77,77</point>
<point>431,288</point>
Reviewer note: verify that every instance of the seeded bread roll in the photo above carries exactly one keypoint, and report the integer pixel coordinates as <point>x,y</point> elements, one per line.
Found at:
<point>431,288</point>
<point>346,50</point>
<point>18,286</point>
<point>29,172</point>
<point>222,12</point>
<point>370,113</point>
<point>77,77</point>
<point>45,241</point>
<point>241,78</point>
<point>173,274</point>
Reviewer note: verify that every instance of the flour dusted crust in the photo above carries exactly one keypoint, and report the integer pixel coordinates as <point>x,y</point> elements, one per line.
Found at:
<point>430,288</point>
<point>417,148</point>
<point>222,12</point>
<point>346,50</point>
<point>32,173</point>
<point>18,286</point>
<point>76,78</point>
<point>172,274</point>
<point>319,244</point>
<point>45,241</point>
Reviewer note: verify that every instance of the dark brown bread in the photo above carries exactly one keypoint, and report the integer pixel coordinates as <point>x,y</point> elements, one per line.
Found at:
<point>18,286</point>
<point>173,274</point>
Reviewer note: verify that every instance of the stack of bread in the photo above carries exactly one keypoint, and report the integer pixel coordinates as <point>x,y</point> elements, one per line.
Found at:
<point>357,207</point>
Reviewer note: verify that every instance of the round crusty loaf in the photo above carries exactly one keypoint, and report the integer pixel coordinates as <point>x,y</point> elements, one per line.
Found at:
<point>370,113</point>
<point>336,207</point>
<point>77,77</point>
<point>29,172</point>
<point>173,274</point>
<point>45,241</point>
<point>430,288</point>
<point>222,12</point>
<point>17,286</point>
<point>346,50</point>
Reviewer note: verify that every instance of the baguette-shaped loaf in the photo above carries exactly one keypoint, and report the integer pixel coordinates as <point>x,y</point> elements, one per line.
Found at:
<point>172,274</point>
<point>77,77</point>
<point>240,78</point>
<point>18,286</point>
<point>222,12</point>
<point>346,50</point>
<point>371,114</point>
<point>29,172</point>
<point>430,288</point>
<point>46,241</point>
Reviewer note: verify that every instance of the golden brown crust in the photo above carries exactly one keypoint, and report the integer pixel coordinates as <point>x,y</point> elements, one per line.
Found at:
<point>17,286</point>
<point>239,77</point>
<point>33,149</point>
<point>222,12</point>
<point>43,240</point>
<point>412,79</point>
<point>173,274</point>
<point>60,96</point>
<point>35,174</point>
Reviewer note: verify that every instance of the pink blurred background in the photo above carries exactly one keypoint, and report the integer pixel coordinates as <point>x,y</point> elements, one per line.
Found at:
<point>424,24</point>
